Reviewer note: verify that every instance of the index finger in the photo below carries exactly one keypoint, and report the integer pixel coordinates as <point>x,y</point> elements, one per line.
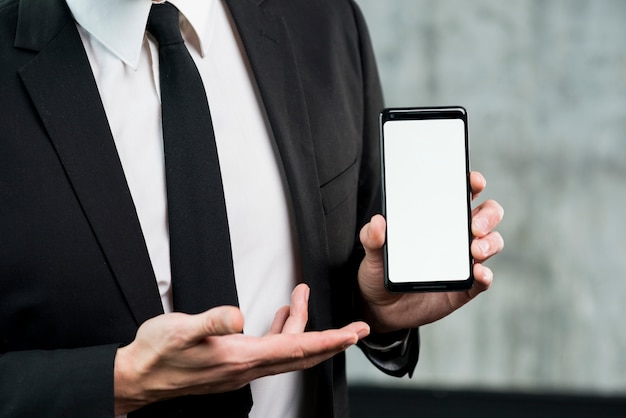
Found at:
<point>477,183</point>
<point>486,217</point>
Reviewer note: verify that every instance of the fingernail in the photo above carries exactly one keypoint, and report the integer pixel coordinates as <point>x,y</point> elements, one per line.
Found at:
<point>364,332</point>
<point>484,246</point>
<point>347,343</point>
<point>480,225</point>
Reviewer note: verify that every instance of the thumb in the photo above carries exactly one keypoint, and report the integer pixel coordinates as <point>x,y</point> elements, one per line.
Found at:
<point>372,236</point>
<point>221,320</point>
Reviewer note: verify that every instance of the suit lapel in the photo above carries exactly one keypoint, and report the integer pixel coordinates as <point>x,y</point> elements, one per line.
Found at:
<point>60,83</point>
<point>271,55</point>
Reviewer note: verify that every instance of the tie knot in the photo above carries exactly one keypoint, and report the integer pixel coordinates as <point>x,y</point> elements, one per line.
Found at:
<point>163,24</point>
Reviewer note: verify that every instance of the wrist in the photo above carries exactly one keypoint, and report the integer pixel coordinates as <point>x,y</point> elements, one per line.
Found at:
<point>377,317</point>
<point>126,387</point>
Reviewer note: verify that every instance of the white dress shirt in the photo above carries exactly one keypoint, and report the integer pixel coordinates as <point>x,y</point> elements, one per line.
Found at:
<point>125,65</point>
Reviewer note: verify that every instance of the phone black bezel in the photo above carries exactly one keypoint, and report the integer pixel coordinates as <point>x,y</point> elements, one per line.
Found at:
<point>412,113</point>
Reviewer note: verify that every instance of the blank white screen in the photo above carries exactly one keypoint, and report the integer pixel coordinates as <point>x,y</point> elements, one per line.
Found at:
<point>426,200</point>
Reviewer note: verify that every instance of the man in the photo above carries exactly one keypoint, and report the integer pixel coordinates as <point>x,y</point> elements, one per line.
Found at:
<point>87,326</point>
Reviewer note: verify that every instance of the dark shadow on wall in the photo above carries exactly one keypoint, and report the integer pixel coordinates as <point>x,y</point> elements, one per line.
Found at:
<point>377,402</point>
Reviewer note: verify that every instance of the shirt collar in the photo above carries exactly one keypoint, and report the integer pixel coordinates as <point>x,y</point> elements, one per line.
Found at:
<point>120,25</point>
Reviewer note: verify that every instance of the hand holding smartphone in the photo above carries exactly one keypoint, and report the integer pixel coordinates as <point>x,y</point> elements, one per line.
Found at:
<point>426,199</point>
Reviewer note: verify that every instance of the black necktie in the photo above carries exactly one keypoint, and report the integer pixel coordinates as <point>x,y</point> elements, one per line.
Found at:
<point>200,253</point>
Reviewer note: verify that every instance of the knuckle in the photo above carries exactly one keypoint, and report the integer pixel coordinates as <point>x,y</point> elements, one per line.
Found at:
<point>174,334</point>
<point>298,353</point>
<point>240,368</point>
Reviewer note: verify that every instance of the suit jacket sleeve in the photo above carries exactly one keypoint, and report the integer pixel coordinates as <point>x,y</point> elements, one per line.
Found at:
<point>57,383</point>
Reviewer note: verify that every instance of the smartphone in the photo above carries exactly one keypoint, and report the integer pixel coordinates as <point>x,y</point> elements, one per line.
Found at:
<point>426,199</point>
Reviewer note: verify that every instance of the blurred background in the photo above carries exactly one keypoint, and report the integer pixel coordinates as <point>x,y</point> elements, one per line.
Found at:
<point>544,83</point>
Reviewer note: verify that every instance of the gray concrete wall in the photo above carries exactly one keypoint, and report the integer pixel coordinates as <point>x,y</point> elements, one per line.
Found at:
<point>544,83</point>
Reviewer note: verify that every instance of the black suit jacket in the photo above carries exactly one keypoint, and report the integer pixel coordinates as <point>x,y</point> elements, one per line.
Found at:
<point>75,276</point>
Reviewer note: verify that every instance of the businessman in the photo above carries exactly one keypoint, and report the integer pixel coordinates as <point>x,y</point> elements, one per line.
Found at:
<point>98,316</point>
